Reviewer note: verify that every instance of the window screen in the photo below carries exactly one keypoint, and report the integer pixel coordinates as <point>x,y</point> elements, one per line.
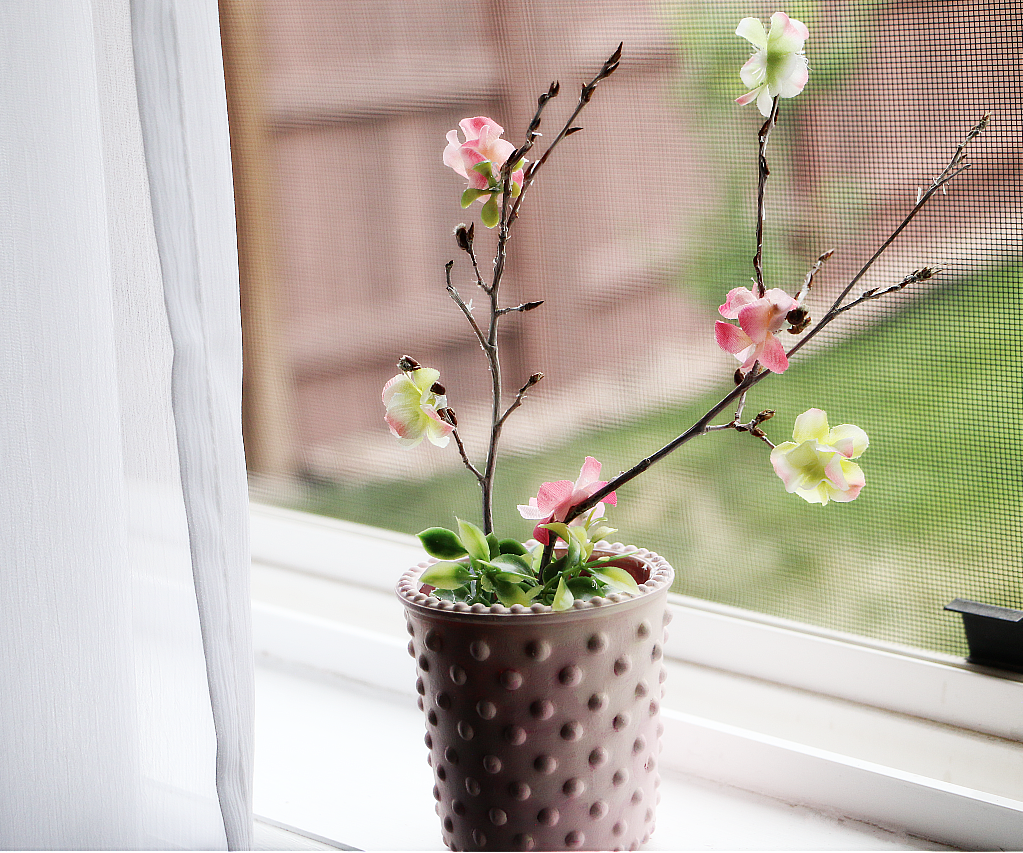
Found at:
<point>632,236</point>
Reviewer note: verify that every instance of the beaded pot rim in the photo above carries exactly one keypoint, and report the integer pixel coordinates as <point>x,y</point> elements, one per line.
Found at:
<point>660,576</point>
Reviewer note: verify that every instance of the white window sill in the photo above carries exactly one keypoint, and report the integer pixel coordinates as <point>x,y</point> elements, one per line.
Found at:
<point>777,737</point>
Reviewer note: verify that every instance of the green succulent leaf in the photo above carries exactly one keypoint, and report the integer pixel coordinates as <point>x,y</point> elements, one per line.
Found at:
<point>616,578</point>
<point>484,168</point>
<point>560,528</point>
<point>583,587</point>
<point>513,563</point>
<point>493,545</point>
<point>473,540</point>
<point>511,593</point>
<point>490,214</point>
<point>446,575</point>
<point>563,598</point>
<point>442,543</point>
<point>512,546</point>
<point>470,195</point>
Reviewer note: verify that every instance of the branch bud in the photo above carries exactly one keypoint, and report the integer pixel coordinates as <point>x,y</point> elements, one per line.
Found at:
<point>464,235</point>
<point>448,416</point>
<point>536,377</point>
<point>529,306</point>
<point>437,388</point>
<point>738,377</point>
<point>798,319</point>
<point>406,364</point>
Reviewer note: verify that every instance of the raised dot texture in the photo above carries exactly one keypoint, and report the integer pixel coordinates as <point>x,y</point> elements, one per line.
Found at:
<point>598,757</point>
<point>479,650</point>
<point>574,840</point>
<point>515,735</point>
<point>638,745</point>
<point>542,709</point>
<point>637,796</point>
<point>649,816</point>
<point>623,665</point>
<point>538,649</point>
<point>621,721</point>
<point>620,777</point>
<point>479,838</point>
<point>486,710</point>
<point>451,755</point>
<point>643,630</point>
<point>458,807</point>
<point>498,817</point>
<point>642,689</point>
<point>433,641</point>
<point>522,841</point>
<point>573,787</point>
<point>432,717</point>
<point>492,764</point>
<point>655,653</point>
<point>411,649</point>
<point>457,674</point>
<point>519,791</point>
<point>436,793</point>
<point>545,764</point>
<point>548,817</point>
<point>662,676</point>
<point>409,627</point>
<point>472,787</point>
<point>465,731</point>
<point>570,676</point>
<point>420,687</point>
<point>510,679</point>
<point>619,827</point>
<point>449,824</point>
<point>597,643</point>
<point>443,701</point>
<point>571,731</point>
<point>597,701</point>
<point>598,809</point>
<point>420,703</point>
<point>654,707</point>
<point>442,774</point>
<point>424,664</point>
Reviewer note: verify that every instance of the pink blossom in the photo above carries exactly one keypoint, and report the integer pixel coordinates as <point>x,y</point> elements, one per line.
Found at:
<point>555,500</point>
<point>479,160</point>
<point>753,339</point>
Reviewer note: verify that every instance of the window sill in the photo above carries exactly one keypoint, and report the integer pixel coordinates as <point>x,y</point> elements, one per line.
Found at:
<point>875,747</point>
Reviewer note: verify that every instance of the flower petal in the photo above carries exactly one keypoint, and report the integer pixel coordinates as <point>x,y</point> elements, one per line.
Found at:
<point>854,479</point>
<point>754,71</point>
<point>742,100</point>
<point>588,473</point>
<point>813,423</point>
<point>772,355</point>
<point>738,297</point>
<point>790,76</point>
<point>552,497</point>
<point>731,338</point>
<point>787,34</point>
<point>849,440</point>
<point>765,102</point>
<point>752,29</point>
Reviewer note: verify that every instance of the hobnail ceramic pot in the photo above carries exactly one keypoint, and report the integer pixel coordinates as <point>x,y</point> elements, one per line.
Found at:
<point>543,727</point>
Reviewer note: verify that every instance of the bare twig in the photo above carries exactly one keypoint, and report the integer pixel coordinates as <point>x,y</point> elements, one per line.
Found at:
<point>465,456</point>
<point>465,236</point>
<point>763,171</point>
<point>536,377</point>
<point>525,306</point>
<point>956,166</point>
<point>465,308</point>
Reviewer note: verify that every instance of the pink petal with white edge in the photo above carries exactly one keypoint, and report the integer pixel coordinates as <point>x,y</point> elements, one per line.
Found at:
<point>752,29</point>
<point>551,496</point>
<point>783,467</point>
<point>731,338</point>
<point>787,34</point>
<point>772,355</point>
<point>474,127</point>
<point>849,440</point>
<point>754,71</point>
<point>588,473</point>
<point>855,482</point>
<point>813,423</point>
<point>749,97</point>
<point>737,298</point>
<point>792,76</point>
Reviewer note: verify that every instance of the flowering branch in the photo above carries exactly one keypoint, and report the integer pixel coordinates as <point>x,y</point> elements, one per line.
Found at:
<point>758,373</point>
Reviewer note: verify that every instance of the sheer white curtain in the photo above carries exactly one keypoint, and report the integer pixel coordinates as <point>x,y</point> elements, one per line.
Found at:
<point>125,659</point>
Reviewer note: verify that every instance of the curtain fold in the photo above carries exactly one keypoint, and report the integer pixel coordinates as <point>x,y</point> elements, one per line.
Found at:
<point>125,658</point>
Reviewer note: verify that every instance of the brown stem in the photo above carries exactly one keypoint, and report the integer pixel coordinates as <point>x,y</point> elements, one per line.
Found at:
<point>763,171</point>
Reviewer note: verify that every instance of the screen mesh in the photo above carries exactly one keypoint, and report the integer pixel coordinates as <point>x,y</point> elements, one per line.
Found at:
<point>633,234</point>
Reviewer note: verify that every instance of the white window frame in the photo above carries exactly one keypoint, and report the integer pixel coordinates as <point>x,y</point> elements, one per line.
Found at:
<point>819,678</point>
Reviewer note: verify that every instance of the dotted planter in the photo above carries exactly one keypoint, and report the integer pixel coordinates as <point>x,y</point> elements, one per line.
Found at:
<point>543,727</point>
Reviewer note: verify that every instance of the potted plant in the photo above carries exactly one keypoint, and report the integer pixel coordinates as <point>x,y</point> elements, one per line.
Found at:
<point>539,661</point>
